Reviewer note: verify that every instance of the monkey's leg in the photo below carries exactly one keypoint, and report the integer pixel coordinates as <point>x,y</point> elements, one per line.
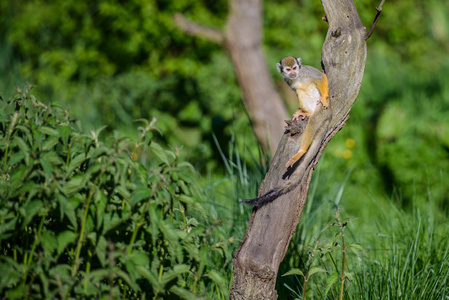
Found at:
<point>306,139</point>
<point>323,87</point>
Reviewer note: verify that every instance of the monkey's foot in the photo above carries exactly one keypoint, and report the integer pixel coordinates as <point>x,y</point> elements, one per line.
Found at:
<point>300,114</point>
<point>290,163</point>
<point>295,158</point>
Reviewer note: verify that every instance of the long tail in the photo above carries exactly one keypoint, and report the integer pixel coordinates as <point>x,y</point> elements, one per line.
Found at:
<point>270,196</point>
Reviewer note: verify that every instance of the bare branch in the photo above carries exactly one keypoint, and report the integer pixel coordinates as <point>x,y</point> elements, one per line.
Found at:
<point>195,29</point>
<point>379,10</point>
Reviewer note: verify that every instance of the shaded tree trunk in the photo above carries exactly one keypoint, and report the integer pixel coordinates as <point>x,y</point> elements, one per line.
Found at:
<point>242,38</point>
<point>271,227</point>
<point>244,44</point>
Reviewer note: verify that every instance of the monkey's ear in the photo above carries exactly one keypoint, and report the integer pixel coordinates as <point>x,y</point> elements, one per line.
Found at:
<point>279,67</point>
<point>299,61</point>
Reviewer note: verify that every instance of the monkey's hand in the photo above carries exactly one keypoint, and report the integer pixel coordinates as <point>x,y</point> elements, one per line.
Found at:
<point>323,101</point>
<point>300,113</point>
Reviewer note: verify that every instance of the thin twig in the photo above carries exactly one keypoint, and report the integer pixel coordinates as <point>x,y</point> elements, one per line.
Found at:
<point>195,29</point>
<point>379,10</point>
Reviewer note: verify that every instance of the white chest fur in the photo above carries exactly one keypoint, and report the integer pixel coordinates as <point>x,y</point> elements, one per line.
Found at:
<point>309,97</point>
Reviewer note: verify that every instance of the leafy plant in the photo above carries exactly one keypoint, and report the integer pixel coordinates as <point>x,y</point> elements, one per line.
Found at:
<point>320,250</point>
<point>83,215</point>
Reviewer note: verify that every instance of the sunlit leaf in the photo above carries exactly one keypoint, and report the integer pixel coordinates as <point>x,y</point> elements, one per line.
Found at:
<point>330,281</point>
<point>294,272</point>
<point>316,270</point>
<point>49,131</point>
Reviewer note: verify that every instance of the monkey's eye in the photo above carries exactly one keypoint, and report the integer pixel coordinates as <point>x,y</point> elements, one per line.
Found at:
<point>288,69</point>
<point>295,67</point>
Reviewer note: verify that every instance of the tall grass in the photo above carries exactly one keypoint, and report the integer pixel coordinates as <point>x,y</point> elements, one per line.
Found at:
<point>405,254</point>
<point>400,253</point>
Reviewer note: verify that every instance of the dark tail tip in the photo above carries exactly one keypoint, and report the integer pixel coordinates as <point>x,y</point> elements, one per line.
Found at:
<point>264,199</point>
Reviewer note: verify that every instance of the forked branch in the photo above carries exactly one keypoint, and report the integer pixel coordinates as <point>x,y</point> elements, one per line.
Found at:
<point>194,29</point>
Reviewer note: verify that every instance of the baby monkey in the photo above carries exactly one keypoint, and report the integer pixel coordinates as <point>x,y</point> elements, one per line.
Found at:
<point>311,87</point>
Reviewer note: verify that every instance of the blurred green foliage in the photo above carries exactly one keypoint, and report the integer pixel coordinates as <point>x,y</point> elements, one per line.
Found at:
<point>87,216</point>
<point>113,63</point>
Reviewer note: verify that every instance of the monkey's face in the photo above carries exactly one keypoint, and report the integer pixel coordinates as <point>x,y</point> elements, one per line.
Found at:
<point>289,67</point>
<point>291,72</point>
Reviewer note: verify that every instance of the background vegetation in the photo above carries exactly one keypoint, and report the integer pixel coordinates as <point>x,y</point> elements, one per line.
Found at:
<point>109,63</point>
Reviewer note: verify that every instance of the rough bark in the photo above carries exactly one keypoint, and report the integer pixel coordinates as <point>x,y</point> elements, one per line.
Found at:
<point>271,227</point>
<point>242,38</point>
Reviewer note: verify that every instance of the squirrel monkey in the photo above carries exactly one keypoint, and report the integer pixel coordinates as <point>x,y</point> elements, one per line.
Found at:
<point>311,87</point>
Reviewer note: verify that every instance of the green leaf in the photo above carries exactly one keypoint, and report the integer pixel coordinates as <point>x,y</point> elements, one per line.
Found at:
<point>123,191</point>
<point>49,241</point>
<point>142,192</point>
<point>170,235</point>
<point>65,132</point>
<point>30,210</point>
<point>160,153</point>
<point>50,143</point>
<point>27,132</point>
<point>356,247</point>
<point>46,166</point>
<point>76,184</point>
<point>219,281</point>
<point>184,187</point>
<point>183,293</point>
<point>15,292</point>
<point>100,201</point>
<point>17,176</point>
<point>21,143</point>
<point>69,211</point>
<point>174,273</point>
<point>186,199</point>
<point>154,223</point>
<point>64,239</point>
<point>150,276</point>
<point>294,272</point>
<point>16,158</point>
<point>316,270</point>
<point>48,131</point>
<point>127,279</point>
<point>7,227</point>
<point>76,162</point>
<point>112,220</point>
<point>330,282</point>
<point>139,258</point>
<point>100,250</point>
<point>96,275</point>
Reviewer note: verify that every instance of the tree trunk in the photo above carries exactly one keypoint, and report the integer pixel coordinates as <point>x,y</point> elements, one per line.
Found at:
<point>243,40</point>
<point>271,227</point>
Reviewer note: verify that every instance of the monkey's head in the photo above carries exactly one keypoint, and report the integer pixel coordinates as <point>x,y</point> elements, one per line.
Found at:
<point>289,67</point>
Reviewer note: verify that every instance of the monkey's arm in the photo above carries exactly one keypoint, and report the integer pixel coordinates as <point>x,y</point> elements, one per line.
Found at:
<point>323,87</point>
